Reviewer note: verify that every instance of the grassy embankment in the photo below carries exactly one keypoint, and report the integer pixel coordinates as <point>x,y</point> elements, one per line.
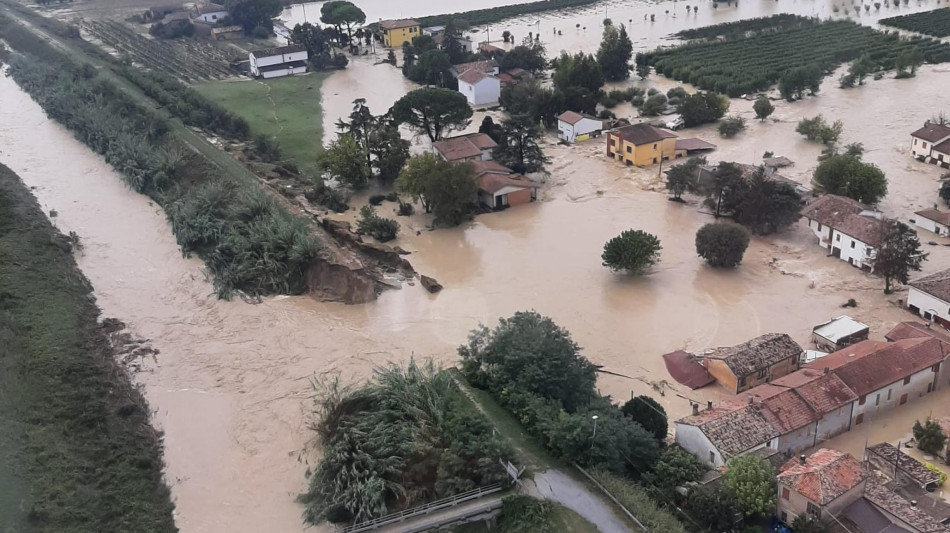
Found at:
<point>288,109</point>
<point>77,453</point>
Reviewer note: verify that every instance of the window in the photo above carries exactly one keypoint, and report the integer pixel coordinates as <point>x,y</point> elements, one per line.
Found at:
<point>888,394</point>
<point>877,400</point>
<point>629,150</point>
<point>937,367</point>
<point>852,244</point>
<point>712,457</point>
<point>924,145</point>
<point>762,373</point>
<point>784,517</point>
<point>742,381</point>
<point>907,380</point>
<point>654,146</point>
<point>838,237</point>
<point>784,493</point>
<point>861,401</point>
<point>930,387</point>
<point>819,226</point>
<point>858,419</point>
<point>813,510</point>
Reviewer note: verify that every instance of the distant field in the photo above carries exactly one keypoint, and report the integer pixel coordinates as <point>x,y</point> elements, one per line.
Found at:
<point>294,100</point>
<point>936,22</point>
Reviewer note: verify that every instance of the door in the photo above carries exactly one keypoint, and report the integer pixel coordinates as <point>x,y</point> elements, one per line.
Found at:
<point>836,252</point>
<point>903,399</point>
<point>858,419</point>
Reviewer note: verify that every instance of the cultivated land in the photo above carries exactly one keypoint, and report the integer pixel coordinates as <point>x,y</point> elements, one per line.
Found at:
<point>287,109</point>
<point>936,22</point>
<point>78,452</point>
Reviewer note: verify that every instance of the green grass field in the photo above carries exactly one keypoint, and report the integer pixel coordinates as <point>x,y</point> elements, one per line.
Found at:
<point>293,100</point>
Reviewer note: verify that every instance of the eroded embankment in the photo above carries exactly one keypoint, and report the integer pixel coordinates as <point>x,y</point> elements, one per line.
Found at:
<point>78,451</point>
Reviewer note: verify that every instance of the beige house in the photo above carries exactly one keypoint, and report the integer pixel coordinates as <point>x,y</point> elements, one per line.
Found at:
<point>743,366</point>
<point>819,486</point>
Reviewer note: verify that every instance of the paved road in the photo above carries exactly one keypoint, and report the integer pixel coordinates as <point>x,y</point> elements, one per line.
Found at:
<point>467,511</point>
<point>558,486</point>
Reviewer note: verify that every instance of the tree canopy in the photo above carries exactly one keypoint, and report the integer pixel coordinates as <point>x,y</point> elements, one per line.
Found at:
<point>762,204</point>
<point>579,78</point>
<point>345,161</point>
<point>253,14</point>
<point>647,412</point>
<point>682,177</point>
<point>432,111</point>
<point>846,175</point>
<point>519,149</point>
<point>763,107</point>
<point>615,53</point>
<point>531,99</point>
<point>702,107</point>
<point>751,480</point>
<point>528,56</point>
<point>445,189</point>
<point>929,436</point>
<point>342,13</point>
<point>633,251</point>
<point>722,244</point>
<point>899,254</point>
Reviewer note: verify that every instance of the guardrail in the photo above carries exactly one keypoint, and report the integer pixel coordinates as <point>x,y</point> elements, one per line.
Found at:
<point>425,509</point>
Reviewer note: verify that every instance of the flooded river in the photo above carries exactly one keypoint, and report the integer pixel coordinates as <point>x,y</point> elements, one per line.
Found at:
<point>230,386</point>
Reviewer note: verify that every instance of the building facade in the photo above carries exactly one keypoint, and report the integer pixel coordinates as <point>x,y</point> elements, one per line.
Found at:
<point>931,144</point>
<point>398,32</point>
<point>760,360</point>
<point>819,486</point>
<point>479,88</point>
<point>849,230</point>
<point>279,61</point>
<point>642,145</point>
<point>574,127</point>
<point>933,220</point>
<point>929,297</point>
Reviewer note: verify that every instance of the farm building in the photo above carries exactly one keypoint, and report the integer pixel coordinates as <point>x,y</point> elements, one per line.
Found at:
<point>499,187</point>
<point>279,61</point>
<point>933,220</point>
<point>578,127</point>
<point>850,230</point>
<point>478,82</point>
<point>227,32</point>
<point>398,32</point>
<point>931,144</point>
<point>209,14</point>
<point>839,332</point>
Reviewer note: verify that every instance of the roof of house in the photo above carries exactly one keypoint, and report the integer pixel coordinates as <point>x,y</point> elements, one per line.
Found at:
<point>482,166</point>
<point>485,67</point>
<point>640,134</point>
<point>693,143</point>
<point>210,8</point>
<point>867,229</point>
<point>485,47</point>
<point>840,328</point>
<point>932,132</point>
<point>905,463</point>
<point>916,330</point>
<point>279,50</point>
<point>753,355</point>
<point>686,369</point>
<point>826,393</point>
<point>492,183</point>
<point>831,209</point>
<point>473,76</point>
<point>571,117</point>
<point>777,162</point>
<point>720,427</point>
<point>896,505</point>
<point>787,411</point>
<point>936,285</point>
<point>396,24</point>
<point>943,217</point>
<point>824,476</point>
<point>464,146</point>
<point>943,147</point>
<point>863,516</point>
<point>868,366</point>
<point>282,66</point>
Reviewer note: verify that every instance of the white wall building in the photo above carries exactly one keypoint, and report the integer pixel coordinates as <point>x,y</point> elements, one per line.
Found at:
<point>577,127</point>
<point>849,230</point>
<point>210,14</point>
<point>929,297</point>
<point>712,435</point>
<point>933,220</point>
<point>280,61</point>
<point>932,144</point>
<point>479,88</point>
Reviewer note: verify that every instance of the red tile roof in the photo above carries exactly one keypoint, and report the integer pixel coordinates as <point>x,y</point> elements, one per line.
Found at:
<point>943,147</point>
<point>396,24</point>
<point>826,393</point>
<point>756,354</point>
<point>640,134</point>
<point>693,143</point>
<point>686,370</point>
<point>492,183</point>
<point>473,76</point>
<point>936,285</point>
<point>943,217</point>
<point>832,210</point>
<point>895,504</point>
<point>867,366</point>
<point>932,132</point>
<point>489,166</point>
<point>825,475</point>
<point>788,412</point>
<point>916,330</point>
<point>463,146</point>
<point>733,431</point>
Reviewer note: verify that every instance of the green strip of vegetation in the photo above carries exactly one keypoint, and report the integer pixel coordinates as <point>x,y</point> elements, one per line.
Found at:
<point>78,453</point>
<point>249,241</point>
<point>479,17</point>
<point>755,55</point>
<point>636,500</point>
<point>524,514</point>
<point>936,22</point>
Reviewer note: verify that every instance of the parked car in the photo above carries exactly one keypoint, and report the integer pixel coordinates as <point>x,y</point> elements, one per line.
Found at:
<point>675,123</point>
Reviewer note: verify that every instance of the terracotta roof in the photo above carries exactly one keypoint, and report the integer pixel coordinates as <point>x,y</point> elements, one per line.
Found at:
<point>787,411</point>
<point>916,330</point>
<point>570,117</point>
<point>943,147</point>
<point>758,353</point>
<point>396,24</point>
<point>210,8</point>
<point>825,475</point>
<point>640,134</point>
<point>831,209</point>
<point>932,132</point>
<point>464,146</point>
<point>936,285</point>
<point>896,505</point>
<point>473,76</point>
<point>826,393</point>
<point>936,215</point>
<point>686,370</point>
<point>505,78</point>
<point>734,431</point>
<point>868,366</point>
<point>485,67</point>
<point>489,166</point>
<point>279,50</point>
<point>492,183</point>
<point>905,463</point>
<point>693,143</point>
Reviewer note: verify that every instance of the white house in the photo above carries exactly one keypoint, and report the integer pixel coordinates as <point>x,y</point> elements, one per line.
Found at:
<point>929,297</point>
<point>280,61</point>
<point>479,88</point>
<point>577,127</point>
<point>711,435</point>
<point>210,14</point>
<point>470,147</point>
<point>933,220</point>
<point>932,144</point>
<point>850,230</point>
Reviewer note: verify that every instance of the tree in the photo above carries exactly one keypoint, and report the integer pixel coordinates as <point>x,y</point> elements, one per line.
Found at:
<point>430,68</point>
<point>675,468</point>
<point>816,129</point>
<point>313,37</point>
<point>653,105</point>
<point>763,107</point>
<point>529,353</point>
<point>519,149</point>
<point>529,98</point>
<point>388,149</point>
<point>731,126</point>
<point>722,244</point>
<point>341,12</point>
<point>614,53</point>
<point>847,175</point>
<point>578,71</point>
<point>751,480</point>
<point>488,127</point>
<point>929,436</point>
<point>643,66</point>
<point>702,107</point>
<point>909,59</point>
<point>794,82</point>
<point>379,228</point>
<point>529,57</point>
<point>345,161</point>
<point>726,178</point>
<point>632,250</point>
<point>945,191</point>
<point>445,189</point>
<point>253,14</point>
<point>433,111</point>
<point>647,412</point>
<point>899,254</point>
<point>761,204</point>
<point>715,509</point>
<point>682,177</point>
<point>361,123</point>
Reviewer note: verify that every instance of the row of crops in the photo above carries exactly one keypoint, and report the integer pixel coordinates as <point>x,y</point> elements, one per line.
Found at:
<point>187,59</point>
<point>742,28</point>
<point>757,59</point>
<point>936,22</point>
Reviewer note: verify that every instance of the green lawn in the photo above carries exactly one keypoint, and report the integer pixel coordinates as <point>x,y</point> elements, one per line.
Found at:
<point>293,100</point>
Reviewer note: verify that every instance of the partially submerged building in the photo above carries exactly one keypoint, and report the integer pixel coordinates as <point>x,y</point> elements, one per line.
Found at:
<point>745,365</point>
<point>469,147</point>
<point>839,333</point>
<point>849,230</point>
<point>931,144</point>
<point>933,220</point>
<point>929,297</point>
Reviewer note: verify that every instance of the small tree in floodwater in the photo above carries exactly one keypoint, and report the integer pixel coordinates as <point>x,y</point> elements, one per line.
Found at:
<point>900,254</point>
<point>633,251</point>
<point>722,244</point>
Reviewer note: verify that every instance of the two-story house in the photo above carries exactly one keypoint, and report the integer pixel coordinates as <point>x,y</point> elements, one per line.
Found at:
<point>642,145</point>
<point>819,486</point>
<point>932,144</point>
<point>745,365</point>
<point>470,147</point>
<point>279,61</point>
<point>849,230</point>
<point>398,32</point>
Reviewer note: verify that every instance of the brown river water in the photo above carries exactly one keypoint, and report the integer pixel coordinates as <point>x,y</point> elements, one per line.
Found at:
<point>230,386</point>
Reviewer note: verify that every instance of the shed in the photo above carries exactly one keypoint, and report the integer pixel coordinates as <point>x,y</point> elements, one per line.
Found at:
<point>693,145</point>
<point>578,126</point>
<point>839,333</point>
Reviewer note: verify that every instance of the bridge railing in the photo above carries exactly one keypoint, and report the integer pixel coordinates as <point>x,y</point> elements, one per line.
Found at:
<point>425,509</point>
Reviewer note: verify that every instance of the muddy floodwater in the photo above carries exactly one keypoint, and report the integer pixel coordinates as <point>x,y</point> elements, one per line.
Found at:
<point>231,385</point>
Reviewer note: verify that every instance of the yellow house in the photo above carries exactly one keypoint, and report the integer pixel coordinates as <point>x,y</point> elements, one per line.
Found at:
<point>397,32</point>
<point>642,145</point>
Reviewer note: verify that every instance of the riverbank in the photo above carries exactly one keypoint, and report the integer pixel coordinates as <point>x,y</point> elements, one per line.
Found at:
<point>78,451</point>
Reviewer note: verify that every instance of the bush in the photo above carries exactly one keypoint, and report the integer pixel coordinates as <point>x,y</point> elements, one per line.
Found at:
<point>329,197</point>
<point>381,229</point>
<point>377,199</point>
<point>266,148</point>
<point>392,197</point>
<point>632,250</point>
<point>405,209</point>
<point>816,129</point>
<point>702,107</point>
<point>929,436</point>
<point>654,105</point>
<point>731,126</point>
<point>722,244</point>
<point>647,412</point>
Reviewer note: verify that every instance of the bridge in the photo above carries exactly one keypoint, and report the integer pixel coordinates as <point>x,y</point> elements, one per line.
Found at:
<point>477,504</point>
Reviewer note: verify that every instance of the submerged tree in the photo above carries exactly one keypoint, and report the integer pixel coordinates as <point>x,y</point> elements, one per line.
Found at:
<point>899,254</point>
<point>445,189</point>
<point>615,53</point>
<point>433,112</point>
<point>633,251</point>
<point>763,107</point>
<point>722,244</point>
<point>846,175</point>
<point>682,177</point>
<point>519,149</point>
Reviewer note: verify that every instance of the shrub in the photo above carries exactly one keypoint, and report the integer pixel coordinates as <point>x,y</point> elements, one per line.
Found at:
<point>730,126</point>
<point>929,436</point>
<point>654,105</point>
<point>381,229</point>
<point>816,129</point>
<point>392,197</point>
<point>636,500</point>
<point>632,250</point>
<point>763,107</point>
<point>377,199</point>
<point>405,209</point>
<point>722,244</point>
<point>266,148</point>
<point>329,197</point>
<point>647,412</point>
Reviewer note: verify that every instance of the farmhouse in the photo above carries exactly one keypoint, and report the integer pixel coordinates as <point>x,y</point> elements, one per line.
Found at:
<point>850,230</point>
<point>279,61</point>
<point>478,82</point>
<point>932,144</point>
<point>821,485</point>
<point>929,297</point>
<point>838,333</point>
<point>573,126</point>
<point>500,188</point>
<point>741,367</point>
<point>642,145</point>
<point>398,32</point>
<point>718,434</point>
<point>933,220</point>
<point>471,147</point>
<point>209,14</point>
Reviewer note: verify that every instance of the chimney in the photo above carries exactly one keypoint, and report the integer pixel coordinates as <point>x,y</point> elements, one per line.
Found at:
<point>802,458</point>
<point>827,370</point>
<point>709,404</point>
<point>695,408</point>
<point>751,399</point>
<point>913,504</point>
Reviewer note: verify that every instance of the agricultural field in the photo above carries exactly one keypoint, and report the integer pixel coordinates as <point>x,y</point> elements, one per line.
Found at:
<point>187,59</point>
<point>288,109</point>
<point>935,23</point>
<point>754,55</point>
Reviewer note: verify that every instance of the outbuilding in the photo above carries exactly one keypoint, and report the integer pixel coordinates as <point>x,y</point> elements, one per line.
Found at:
<point>839,333</point>
<point>279,61</point>
<point>210,13</point>
<point>479,88</point>
<point>929,297</point>
<point>933,220</point>
<point>574,127</point>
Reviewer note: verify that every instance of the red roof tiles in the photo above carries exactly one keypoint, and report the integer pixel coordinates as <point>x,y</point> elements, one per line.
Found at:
<point>825,475</point>
<point>867,366</point>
